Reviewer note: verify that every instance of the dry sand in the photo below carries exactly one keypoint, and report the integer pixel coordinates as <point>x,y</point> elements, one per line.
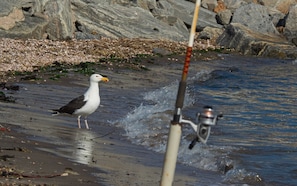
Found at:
<point>25,160</point>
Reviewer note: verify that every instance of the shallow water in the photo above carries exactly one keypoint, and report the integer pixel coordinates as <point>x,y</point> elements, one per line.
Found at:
<point>257,134</point>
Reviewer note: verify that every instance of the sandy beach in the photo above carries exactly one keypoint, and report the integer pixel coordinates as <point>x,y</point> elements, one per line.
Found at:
<point>30,150</point>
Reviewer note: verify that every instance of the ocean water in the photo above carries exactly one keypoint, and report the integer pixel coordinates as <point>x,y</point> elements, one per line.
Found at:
<point>257,136</point>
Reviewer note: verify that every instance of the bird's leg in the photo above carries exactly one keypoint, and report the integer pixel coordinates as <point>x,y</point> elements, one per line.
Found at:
<point>86,123</point>
<point>78,122</point>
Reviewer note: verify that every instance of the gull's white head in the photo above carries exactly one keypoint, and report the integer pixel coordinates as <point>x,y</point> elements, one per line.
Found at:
<point>97,78</point>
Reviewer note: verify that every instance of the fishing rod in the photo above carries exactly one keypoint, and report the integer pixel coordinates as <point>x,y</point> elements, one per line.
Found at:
<point>205,120</point>
<point>174,135</point>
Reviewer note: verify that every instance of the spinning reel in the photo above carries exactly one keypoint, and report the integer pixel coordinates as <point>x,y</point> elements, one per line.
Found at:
<point>205,120</point>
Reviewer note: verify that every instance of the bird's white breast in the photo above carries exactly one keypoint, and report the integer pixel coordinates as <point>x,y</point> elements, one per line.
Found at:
<point>92,99</point>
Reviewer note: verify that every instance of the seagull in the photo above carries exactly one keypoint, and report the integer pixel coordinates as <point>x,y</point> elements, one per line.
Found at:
<point>85,104</point>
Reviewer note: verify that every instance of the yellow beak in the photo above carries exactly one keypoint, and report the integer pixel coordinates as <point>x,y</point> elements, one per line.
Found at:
<point>105,79</point>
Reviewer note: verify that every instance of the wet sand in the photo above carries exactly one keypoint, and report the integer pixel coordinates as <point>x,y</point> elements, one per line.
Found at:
<point>22,163</point>
<point>31,153</point>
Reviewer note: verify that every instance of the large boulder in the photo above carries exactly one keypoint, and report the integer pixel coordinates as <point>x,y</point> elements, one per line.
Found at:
<point>271,6</point>
<point>59,19</point>
<point>37,19</point>
<point>249,42</point>
<point>30,26</point>
<point>255,17</point>
<point>115,20</point>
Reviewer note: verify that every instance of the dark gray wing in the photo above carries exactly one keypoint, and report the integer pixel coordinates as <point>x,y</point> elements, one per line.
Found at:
<point>73,105</point>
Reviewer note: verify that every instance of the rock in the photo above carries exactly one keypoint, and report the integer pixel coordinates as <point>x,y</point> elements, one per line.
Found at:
<point>284,5</point>
<point>93,19</point>
<point>6,7</point>
<point>10,21</point>
<point>207,18</point>
<point>290,30</point>
<point>250,42</point>
<point>224,17</point>
<point>275,15</point>
<point>220,7</point>
<point>232,5</point>
<point>4,86</point>
<point>4,98</point>
<point>184,10</point>
<point>210,33</point>
<point>60,21</point>
<point>255,17</point>
<point>281,5</point>
<point>209,4</point>
<point>32,26</point>
<point>129,22</point>
<point>270,3</point>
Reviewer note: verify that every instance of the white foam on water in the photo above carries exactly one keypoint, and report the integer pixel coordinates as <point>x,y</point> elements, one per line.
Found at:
<point>241,175</point>
<point>148,124</point>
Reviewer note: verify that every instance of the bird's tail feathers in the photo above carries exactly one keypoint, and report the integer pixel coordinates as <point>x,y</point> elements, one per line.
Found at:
<point>54,112</point>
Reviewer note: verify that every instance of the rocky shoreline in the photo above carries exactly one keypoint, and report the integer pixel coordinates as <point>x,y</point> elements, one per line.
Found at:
<point>253,27</point>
